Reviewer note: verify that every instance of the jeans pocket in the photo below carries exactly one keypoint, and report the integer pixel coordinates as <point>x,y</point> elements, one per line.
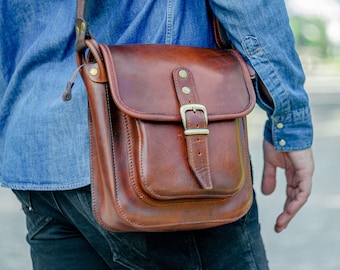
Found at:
<point>35,221</point>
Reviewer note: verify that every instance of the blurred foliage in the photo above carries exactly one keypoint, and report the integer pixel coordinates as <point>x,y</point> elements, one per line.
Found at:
<point>310,32</point>
<point>317,52</point>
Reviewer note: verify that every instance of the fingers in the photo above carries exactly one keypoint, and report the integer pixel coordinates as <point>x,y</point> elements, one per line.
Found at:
<point>299,167</point>
<point>298,191</point>
<point>269,169</point>
<point>268,179</point>
<point>287,215</point>
<point>291,209</point>
<point>282,222</point>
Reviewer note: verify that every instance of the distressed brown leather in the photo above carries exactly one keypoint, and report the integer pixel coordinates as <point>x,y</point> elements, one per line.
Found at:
<point>147,175</point>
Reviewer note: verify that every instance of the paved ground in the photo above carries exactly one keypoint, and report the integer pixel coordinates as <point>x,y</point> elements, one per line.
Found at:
<point>312,241</point>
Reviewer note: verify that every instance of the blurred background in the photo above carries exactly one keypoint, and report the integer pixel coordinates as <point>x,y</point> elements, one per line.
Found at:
<point>312,241</point>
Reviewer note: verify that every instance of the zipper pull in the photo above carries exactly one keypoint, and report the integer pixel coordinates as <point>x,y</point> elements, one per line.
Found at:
<point>67,94</point>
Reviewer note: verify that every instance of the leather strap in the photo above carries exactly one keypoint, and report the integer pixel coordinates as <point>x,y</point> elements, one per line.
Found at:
<point>220,35</point>
<point>82,31</point>
<point>195,122</point>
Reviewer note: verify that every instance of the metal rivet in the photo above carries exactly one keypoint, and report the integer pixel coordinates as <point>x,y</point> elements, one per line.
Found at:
<point>93,71</point>
<point>183,74</point>
<point>279,125</point>
<point>82,26</point>
<point>186,90</point>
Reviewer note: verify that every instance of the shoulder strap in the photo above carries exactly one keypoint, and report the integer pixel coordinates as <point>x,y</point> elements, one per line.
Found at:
<point>82,32</point>
<point>221,39</point>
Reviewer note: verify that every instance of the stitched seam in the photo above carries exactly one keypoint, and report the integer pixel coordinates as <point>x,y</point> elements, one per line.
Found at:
<point>168,38</point>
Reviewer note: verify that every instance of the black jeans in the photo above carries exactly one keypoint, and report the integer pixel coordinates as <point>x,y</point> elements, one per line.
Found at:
<point>63,234</point>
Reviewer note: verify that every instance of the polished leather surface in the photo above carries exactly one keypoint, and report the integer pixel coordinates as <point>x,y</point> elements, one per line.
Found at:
<point>146,174</point>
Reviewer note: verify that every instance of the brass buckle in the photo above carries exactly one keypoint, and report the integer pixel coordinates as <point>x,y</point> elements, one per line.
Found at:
<point>194,108</point>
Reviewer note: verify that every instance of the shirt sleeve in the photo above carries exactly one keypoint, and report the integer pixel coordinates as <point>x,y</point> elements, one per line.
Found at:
<point>260,31</point>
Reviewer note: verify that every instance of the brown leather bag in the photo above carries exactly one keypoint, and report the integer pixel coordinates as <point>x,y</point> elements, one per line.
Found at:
<point>168,134</point>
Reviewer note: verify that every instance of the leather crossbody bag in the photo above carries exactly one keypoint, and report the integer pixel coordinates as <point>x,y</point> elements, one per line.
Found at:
<point>168,133</point>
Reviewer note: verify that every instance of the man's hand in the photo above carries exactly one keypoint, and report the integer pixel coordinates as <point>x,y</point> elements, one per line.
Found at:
<point>299,167</point>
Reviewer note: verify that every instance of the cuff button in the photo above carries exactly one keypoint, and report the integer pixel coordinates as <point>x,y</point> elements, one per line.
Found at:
<point>279,125</point>
<point>282,142</point>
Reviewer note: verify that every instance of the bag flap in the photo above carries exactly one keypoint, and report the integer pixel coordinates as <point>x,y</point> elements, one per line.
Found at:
<point>142,86</point>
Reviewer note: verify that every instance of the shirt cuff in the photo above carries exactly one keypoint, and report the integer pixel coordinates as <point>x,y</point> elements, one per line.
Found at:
<point>290,132</point>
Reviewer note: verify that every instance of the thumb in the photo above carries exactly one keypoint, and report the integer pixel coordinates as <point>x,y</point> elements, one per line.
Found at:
<point>268,178</point>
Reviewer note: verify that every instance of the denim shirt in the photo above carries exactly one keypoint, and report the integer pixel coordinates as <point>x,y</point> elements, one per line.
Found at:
<point>44,142</point>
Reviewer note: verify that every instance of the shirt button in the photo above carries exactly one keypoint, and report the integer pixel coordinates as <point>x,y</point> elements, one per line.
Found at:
<point>282,142</point>
<point>279,125</point>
